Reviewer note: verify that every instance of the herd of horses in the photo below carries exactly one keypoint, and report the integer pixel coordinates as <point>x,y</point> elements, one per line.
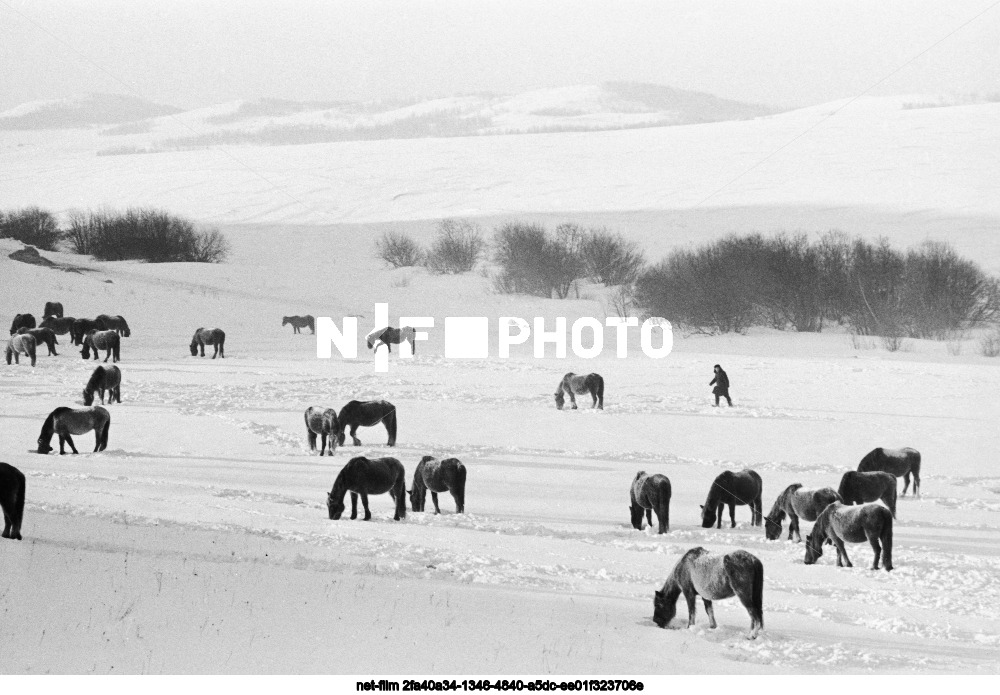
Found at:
<point>849,514</point>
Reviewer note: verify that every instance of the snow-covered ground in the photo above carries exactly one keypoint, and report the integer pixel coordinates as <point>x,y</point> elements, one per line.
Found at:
<point>199,541</point>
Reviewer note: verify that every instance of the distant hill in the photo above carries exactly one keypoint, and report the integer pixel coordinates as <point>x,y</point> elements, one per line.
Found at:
<point>81,112</point>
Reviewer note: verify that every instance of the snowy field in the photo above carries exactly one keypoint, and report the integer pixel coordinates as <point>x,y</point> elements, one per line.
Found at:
<point>199,541</point>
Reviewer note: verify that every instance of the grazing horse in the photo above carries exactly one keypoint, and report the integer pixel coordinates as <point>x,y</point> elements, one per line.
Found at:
<point>592,383</point>
<point>11,500</point>
<point>205,336</point>
<point>713,576</point>
<point>81,327</point>
<point>438,476</point>
<point>322,421</point>
<point>68,421</point>
<point>21,344</point>
<point>102,340</point>
<point>899,462</point>
<point>366,414</point>
<point>104,378</point>
<point>390,336</point>
<point>59,326</point>
<point>42,335</point>
<point>22,321</point>
<point>649,492</point>
<point>854,524</point>
<point>365,477</point>
<point>53,309</point>
<point>300,322</point>
<point>117,323</point>
<point>733,489</point>
<point>797,502</point>
<point>858,488</point>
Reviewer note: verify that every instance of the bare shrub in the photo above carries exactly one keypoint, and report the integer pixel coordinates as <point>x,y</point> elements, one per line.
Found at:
<point>457,248</point>
<point>32,226</point>
<point>989,345</point>
<point>398,250</point>
<point>610,259</point>
<point>862,342</point>
<point>145,234</point>
<point>622,302</point>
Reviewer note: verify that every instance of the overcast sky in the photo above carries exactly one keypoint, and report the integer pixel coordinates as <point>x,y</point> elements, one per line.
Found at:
<point>784,53</point>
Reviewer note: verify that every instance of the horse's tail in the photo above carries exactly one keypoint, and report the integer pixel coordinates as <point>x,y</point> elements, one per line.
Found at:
<point>889,497</point>
<point>116,346</point>
<point>390,425</point>
<point>886,538</point>
<point>757,593</point>
<point>19,495</point>
<point>399,492</point>
<point>842,489</point>
<point>600,388</point>
<point>460,491</point>
<point>104,435</point>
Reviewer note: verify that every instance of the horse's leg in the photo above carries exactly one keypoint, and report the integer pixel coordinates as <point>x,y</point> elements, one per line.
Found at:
<point>69,440</point>
<point>364,501</point>
<point>354,430</point>
<point>322,448</point>
<point>711,613</point>
<point>906,482</point>
<point>649,517</point>
<point>793,523</point>
<point>690,597</point>
<point>354,505</point>
<point>434,498</point>
<point>732,515</point>
<point>6,525</point>
<point>916,483</point>
<point>718,515</point>
<point>873,539</point>
<point>842,551</point>
<point>312,440</point>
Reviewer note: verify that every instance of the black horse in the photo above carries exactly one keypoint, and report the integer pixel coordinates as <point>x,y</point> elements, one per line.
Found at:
<point>81,327</point>
<point>858,488</point>
<point>115,323</point>
<point>362,476</point>
<point>22,321</point>
<point>797,502</point>
<point>102,340</point>
<point>366,414</point>
<point>59,325</point>
<point>104,378</point>
<point>300,322</point>
<point>322,421</point>
<point>209,336</point>
<point>69,421</point>
<point>899,462</point>
<point>43,336</point>
<point>584,383</point>
<point>713,576</point>
<point>438,476</point>
<point>733,489</point>
<point>11,500</point>
<point>53,309</point>
<point>854,524</point>
<point>649,492</point>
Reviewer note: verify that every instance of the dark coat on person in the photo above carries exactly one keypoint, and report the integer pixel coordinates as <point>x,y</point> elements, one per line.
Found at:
<point>721,382</point>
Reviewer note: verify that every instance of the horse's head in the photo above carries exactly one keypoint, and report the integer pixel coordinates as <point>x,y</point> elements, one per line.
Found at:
<point>636,511</point>
<point>88,397</point>
<point>194,348</point>
<point>341,437</point>
<point>814,548</point>
<point>560,399</point>
<point>43,446</point>
<point>663,609</point>
<point>285,321</point>
<point>772,528</point>
<point>417,500</point>
<point>707,516</point>
<point>335,508</point>
<point>85,352</point>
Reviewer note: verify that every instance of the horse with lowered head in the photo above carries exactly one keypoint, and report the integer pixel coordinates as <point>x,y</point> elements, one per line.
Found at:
<point>102,340</point>
<point>797,502</point>
<point>366,414</point>
<point>300,322</point>
<point>114,323</point>
<point>363,476</point>
<point>713,577</point>
<point>854,524</point>
<point>53,309</point>
<point>438,476</point>
<point>22,321</point>
<point>732,489</point>
<point>104,378</point>
<point>858,488</point>
<point>58,325</point>
<point>571,383</point>
<point>899,462</point>
<point>44,336</point>
<point>649,492</point>
<point>322,421</point>
<point>21,344</point>
<point>70,421</point>
<point>390,336</point>
<point>81,327</point>
<point>209,336</point>
<point>11,500</point>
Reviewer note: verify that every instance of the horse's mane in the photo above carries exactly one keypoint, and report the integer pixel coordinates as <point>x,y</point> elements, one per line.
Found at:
<point>778,510</point>
<point>715,490</point>
<point>49,425</point>
<point>95,378</point>
<point>869,460</point>
<point>681,568</point>
<point>822,522</point>
<point>194,339</point>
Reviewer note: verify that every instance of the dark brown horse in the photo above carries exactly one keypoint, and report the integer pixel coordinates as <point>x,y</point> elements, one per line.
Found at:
<point>81,327</point>
<point>858,488</point>
<point>649,492</point>
<point>114,323</point>
<point>438,476</point>
<point>584,383</point>
<point>300,322</point>
<point>366,414</point>
<point>102,340</point>
<point>22,321</point>
<point>69,421</point>
<point>362,476</point>
<point>797,502</point>
<point>733,489</point>
<point>11,500</point>
<point>59,325</point>
<point>854,524</point>
<point>899,462</point>
<point>53,309</point>
<point>713,577</point>
<point>43,336</point>
<point>104,378</point>
<point>205,336</point>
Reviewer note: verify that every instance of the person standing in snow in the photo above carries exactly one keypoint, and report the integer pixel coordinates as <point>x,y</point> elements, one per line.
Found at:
<point>721,382</point>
